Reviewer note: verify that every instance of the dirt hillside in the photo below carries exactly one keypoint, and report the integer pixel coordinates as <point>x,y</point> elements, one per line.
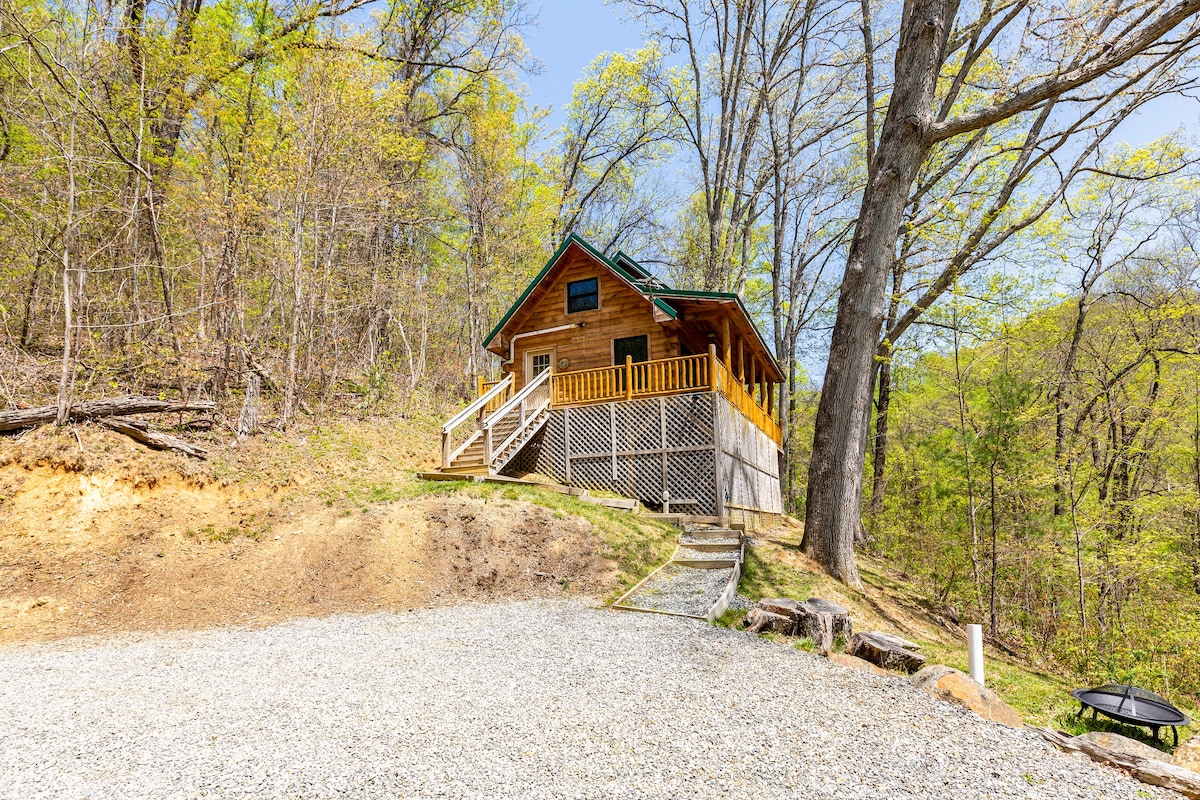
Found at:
<point>99,534</point>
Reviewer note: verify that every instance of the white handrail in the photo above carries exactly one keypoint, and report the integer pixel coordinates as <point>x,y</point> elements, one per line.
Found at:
<point>471,410</point>
<point>512,402</point>
<point>520,429</point>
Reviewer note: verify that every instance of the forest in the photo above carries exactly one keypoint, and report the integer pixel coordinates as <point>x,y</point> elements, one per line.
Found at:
<point>984,298</point>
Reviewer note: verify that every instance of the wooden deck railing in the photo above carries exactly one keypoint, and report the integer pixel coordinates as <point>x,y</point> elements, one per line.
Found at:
<point>496,401</point>
<point>667,376</point>
<point>742,400</point>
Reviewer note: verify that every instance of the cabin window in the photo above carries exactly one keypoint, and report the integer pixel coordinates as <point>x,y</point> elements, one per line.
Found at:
<point>583,295</point>
<point>636,346</point>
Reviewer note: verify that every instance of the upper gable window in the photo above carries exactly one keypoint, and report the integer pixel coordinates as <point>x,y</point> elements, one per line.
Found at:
<point>583,295</point>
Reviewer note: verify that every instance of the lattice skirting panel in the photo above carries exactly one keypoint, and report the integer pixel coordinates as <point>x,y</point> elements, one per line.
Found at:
<point>642,448</point>
<point>749,464</point>
<point>637,449</point>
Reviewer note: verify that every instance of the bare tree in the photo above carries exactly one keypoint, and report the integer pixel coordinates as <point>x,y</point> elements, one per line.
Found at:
<point>1041,55</point>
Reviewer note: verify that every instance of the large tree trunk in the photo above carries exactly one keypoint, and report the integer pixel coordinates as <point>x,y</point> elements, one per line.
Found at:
<point>833,512</point>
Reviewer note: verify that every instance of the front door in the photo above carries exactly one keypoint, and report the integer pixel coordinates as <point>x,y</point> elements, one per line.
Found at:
<point>537,362</point>
<point>636,346</point>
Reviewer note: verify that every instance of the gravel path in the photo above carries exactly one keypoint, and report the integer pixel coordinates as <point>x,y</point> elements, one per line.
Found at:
<point>691,554</point>
<point>538,699</point>
<point>685,539</point>
<point>682,590</point>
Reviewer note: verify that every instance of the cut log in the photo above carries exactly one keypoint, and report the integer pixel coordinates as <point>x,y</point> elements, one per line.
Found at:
<point>815,625</point>
<point>1146,770</point>
<point>139,431</point>
<point>840,616</point>
<point>788,608</point>
<point>757,620</point>
<point>877,649</point>
<point>98,409</point>
<point>897,641</point>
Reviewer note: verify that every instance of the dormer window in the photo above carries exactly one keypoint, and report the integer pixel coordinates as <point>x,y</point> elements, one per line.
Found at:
<point>583,295</point>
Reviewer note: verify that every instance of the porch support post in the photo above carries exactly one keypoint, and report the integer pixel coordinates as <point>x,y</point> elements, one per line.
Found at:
<point>753,375</point>
<point>712,367</point>
<point>727,343</point>
<point>771,398</point>
<point>742,362</point>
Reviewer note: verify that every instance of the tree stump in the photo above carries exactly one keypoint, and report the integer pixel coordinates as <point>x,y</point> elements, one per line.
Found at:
<point>788,608</point>
<point>758,620</point>
<point>840,616</point>
<point>880,650</point>
<point>815,625</point>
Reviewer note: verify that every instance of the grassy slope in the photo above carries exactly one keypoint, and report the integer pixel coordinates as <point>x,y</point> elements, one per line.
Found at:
<point>358,466</point>
<point>777,569</point>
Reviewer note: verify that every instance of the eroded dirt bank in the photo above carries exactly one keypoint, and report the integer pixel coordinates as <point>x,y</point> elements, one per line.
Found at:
<point>119,538</point>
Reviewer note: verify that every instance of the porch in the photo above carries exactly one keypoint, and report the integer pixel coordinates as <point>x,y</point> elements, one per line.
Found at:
<point>491,431</point>
<point>752,395</point>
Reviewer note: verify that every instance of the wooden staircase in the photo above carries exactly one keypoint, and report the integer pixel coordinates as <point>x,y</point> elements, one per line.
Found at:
<point>497,436</point>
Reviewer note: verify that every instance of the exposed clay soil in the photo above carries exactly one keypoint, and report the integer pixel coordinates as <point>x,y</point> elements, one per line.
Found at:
<point>120,538</point>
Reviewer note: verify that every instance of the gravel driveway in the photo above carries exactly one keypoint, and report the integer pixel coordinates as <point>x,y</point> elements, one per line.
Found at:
<point>537,699</point>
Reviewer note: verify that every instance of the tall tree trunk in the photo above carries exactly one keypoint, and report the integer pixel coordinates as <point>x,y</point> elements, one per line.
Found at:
<point>839,442</point>
<point>30,300</point>
<point>992,616</point>
<point>972,510</point>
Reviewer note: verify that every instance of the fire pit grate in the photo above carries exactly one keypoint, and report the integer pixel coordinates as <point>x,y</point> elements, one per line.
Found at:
<point>1132,706</point>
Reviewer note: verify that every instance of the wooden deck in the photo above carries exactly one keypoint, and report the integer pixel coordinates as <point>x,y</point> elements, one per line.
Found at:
<point>658,378</point>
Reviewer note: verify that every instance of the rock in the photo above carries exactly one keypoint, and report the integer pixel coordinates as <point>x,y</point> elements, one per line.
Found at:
<point>1124,745</point>
<point>839,616</point>
<point>757,620</point>
<point>953,686</point>
<point>877,649</point>
<point>855,663</point>
<point>1187,755</point>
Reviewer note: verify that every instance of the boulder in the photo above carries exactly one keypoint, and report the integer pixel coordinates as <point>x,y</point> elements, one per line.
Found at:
<point>839,616</point>
<point>879,650</point>
<point>855,663</point>
<point>1187,755</point>
<point>1124,745</point>
<point>758,620</point>
<point>953,686</point>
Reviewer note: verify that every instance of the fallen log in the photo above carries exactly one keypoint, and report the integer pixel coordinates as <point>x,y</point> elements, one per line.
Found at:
<point>1146,770</point>
<point>139,431</point>
<point>98,409</point>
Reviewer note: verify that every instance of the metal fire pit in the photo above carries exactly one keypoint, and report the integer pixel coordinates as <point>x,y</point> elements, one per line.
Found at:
<point>1132,706</point>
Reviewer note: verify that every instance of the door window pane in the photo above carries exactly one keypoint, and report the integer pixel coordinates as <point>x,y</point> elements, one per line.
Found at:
<point>538,363</point>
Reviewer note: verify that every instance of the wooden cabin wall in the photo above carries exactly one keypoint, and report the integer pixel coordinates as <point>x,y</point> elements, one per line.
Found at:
<point>622,312</point>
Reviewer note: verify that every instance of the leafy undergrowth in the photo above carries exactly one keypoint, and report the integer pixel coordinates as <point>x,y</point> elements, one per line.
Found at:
<point>776,568</point>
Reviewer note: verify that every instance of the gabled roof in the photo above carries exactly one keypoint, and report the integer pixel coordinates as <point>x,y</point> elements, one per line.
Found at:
<point>631,274</point>
<point>640,280</point>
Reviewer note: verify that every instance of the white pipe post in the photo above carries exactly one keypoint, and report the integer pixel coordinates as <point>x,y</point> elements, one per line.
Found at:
<point>975,652</point>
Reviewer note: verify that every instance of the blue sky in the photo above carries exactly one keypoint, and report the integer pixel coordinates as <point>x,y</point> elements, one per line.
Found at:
<point>570,33</point>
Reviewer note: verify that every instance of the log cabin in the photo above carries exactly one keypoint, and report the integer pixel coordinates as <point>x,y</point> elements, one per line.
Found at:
<point>614,382</point>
